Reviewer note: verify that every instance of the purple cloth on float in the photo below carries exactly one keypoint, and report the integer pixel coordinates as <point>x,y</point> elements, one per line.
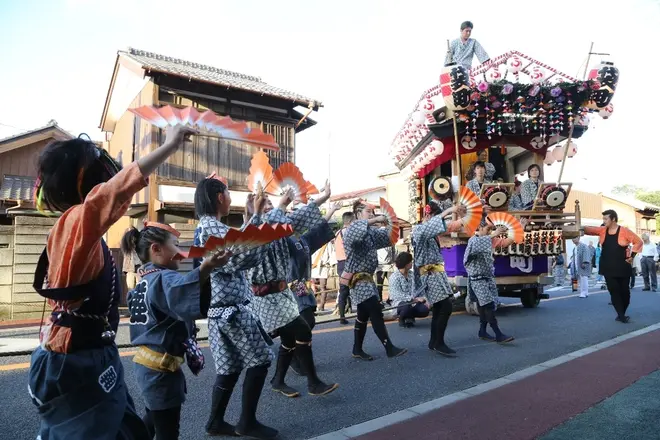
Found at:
<point>454,263</point>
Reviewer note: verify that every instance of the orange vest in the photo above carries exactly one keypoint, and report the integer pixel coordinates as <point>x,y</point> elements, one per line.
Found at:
<point>340,253</point>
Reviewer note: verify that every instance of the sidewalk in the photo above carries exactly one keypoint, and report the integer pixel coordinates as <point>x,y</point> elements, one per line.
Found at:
<point>557,400</point>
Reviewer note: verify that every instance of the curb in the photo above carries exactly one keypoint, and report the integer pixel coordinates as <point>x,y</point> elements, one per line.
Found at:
<point>423,408</point>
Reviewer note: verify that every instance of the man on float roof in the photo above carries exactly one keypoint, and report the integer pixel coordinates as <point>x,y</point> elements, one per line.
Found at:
<point>463,49</point>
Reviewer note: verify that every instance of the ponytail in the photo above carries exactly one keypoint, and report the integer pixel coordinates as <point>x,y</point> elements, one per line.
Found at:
<point>140,241</point>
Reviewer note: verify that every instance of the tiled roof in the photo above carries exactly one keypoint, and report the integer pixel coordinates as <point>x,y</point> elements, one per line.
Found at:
<point>201,72</point>
<point>356,194</point>
<point>17,187</point>
<point>51,124</point>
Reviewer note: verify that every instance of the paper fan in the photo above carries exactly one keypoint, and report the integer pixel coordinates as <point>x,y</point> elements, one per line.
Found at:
<point>515,230</point>
<point>238,241</point>
<point>208,122</point>
<point>475,209</point>
<point>392,220</point>
<point>289,176</point>
<point>260,171</point>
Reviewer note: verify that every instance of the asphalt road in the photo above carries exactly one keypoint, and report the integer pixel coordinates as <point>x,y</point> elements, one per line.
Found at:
<point>374,389</point>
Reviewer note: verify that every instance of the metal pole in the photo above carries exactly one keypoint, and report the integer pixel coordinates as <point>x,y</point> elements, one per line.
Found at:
<point>458,153</point>
<point>586,66</point>
<point>568,142</point>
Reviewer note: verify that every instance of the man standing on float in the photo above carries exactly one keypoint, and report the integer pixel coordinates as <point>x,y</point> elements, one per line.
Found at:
<point>463,49</point>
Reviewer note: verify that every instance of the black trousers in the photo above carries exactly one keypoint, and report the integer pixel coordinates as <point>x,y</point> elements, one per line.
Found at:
<point>372,310</point>
<point>416,310</point>
<point>296,330</point>
<point>619,293</point>
<point>164,424</point>
<point>343,292</point>
<point>380,279</point>
<point>632,277</point>
<point>309,317</point>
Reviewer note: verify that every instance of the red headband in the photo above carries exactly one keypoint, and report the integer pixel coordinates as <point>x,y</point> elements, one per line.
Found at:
<point>220,178</point>
<point>164,227</point>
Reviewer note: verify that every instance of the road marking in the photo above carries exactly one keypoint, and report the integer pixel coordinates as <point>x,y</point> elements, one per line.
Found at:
<point>26,365</point>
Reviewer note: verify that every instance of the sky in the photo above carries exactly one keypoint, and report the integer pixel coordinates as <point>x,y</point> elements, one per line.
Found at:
<point>368,61</point>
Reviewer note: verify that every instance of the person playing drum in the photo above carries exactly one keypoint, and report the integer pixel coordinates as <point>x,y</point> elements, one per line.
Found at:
<point>530,187</point>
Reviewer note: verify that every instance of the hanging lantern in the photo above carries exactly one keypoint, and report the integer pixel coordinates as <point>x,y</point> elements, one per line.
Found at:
<point>455,86</point>
<point>438,147</point>
<point>429,119</point>
<point>426,106</point>
<point>549,158</point>
<point>537,75</point>
<point>418,117</point>
<point>537,142</point>
<point>572,149</point>
<point>606,112</point>
<point>514,63</point>
<point>558,153</point>
<point>468,142</point>
<point>608,77</point>
<point>493,74</point>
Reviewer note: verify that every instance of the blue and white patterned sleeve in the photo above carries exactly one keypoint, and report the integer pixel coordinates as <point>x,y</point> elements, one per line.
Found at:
<point>480,52</point>
<point>399,288</point>
<point>356,234</point>
<point>381,237</point>
<point>429,229</point>
<point>528,192</point>
<point>306,217</point>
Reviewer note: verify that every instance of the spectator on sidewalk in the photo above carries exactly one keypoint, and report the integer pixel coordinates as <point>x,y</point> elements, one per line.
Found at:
<point>582,261</point>
<point>401,292</point>
<point>649,259</point>
<point>385,262</point>
<point>559,270</point>
<point>322,261</point>
<point>636,267</point>
<point>615,263</point>
<point>592,252</point>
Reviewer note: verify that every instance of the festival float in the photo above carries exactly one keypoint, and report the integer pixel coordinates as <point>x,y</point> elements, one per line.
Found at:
<point>516,111</point>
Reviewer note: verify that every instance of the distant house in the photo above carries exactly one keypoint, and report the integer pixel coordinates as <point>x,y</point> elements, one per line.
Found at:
<point>18,158</point>
<point>144,78</point>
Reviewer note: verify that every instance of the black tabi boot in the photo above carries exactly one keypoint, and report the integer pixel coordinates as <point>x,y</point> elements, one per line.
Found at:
<point>440,346</point>
<point>360,332</point>
<point>500,337</point>
<point>315,385</point>
<point>434,328</point>
<point>284,357</point>
<point>248,426</point>
<point>483,326</point>
<point>378,325</point>
<point>222,390</point>
<point>295,364</point>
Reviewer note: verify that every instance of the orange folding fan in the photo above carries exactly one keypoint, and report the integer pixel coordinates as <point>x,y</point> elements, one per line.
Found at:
<point>277,182</point>
<point>260,171</point>
<point>238,241</point>
<point>475,209</point>
<point>515,230</point>
<point>209,123</point>
<point>392,220</point>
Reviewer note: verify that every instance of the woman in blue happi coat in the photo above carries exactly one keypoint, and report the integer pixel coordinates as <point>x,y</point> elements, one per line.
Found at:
<point>301,250</point>
<point>163,307</point>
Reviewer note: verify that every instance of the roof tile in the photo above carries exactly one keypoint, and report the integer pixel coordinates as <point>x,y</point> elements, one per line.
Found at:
<point>17,188</point>
<point>201,72</point>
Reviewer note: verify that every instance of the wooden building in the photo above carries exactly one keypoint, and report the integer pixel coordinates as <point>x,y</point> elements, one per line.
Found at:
<point>143,78</point>
<point>18,159</point>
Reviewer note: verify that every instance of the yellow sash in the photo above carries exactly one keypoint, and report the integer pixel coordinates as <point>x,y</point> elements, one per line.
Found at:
<point>360,276</point>
<point>431,268</point>
<point>165,363</point>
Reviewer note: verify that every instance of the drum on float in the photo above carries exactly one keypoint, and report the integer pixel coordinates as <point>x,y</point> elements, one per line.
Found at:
<point>440,188</point>
<point>496,197</point>
<point>554,197</point>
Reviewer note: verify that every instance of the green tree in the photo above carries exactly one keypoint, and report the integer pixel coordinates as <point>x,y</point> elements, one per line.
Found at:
<point>652,197</point>
<point>628,189</point>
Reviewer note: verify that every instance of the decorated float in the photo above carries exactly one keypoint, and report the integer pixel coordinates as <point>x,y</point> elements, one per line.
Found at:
<point>512,111</point>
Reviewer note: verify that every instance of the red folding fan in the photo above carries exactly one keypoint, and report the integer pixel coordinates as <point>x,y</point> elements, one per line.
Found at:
<point>515,230</point>
<point>392,220</point>
<point>238,241</point>
<point>277,182</point>
<point>260,171</point>
<point>209,123</point>
<point>475,209</point>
